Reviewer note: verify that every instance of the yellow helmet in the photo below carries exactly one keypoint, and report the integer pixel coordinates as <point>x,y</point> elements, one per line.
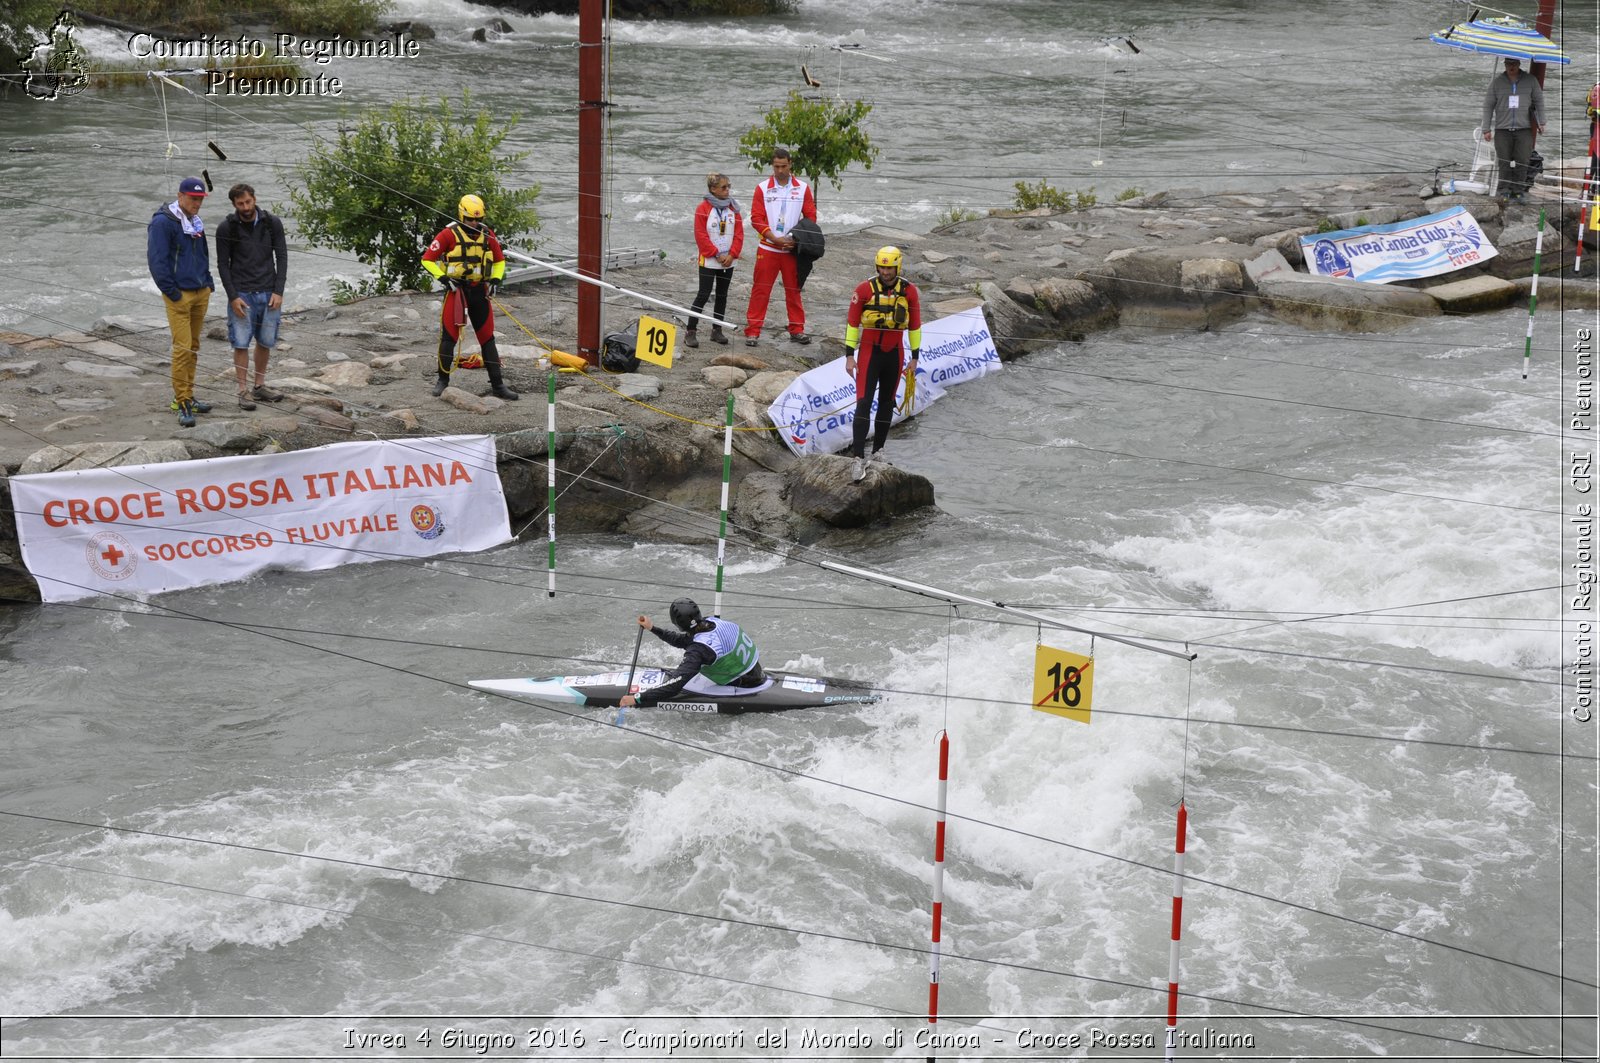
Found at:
<point>471,207</point>
<point>889,256</point>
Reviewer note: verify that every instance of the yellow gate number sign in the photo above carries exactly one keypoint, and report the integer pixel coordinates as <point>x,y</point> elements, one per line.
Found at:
<point>655,341</point>
<point>1062,683</point>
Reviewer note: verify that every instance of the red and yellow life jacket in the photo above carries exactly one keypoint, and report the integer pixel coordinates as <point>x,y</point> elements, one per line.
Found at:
<point>887,309</point>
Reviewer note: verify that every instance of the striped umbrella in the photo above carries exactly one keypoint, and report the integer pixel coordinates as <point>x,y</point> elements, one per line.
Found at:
<point>1501,36</point>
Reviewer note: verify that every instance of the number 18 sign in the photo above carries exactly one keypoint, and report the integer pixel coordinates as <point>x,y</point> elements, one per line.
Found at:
<point>1062,683</point>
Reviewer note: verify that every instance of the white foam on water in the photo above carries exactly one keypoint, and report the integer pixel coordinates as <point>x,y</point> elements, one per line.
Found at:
<point>1353,551</point>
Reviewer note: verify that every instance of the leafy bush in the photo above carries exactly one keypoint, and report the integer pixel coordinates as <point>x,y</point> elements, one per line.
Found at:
<point>1129,193</point>
<point>1043,194</point>
<point>330,18</point>
<point>954,214</point>
<point>349,18</point>
<point>823,136</point>
<point>386,186</point>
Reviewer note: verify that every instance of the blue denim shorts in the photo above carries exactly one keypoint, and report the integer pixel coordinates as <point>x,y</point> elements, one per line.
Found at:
<point>258,322</point>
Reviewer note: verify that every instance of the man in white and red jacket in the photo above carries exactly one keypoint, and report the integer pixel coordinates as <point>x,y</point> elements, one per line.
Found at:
<point>779,203</point>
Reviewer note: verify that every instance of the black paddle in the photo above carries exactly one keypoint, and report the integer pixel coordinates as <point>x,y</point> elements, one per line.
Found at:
<point>633,664</point>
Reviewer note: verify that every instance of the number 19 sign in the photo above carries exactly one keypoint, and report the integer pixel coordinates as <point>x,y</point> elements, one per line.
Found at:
<point>655,340</point>
<point>1062,683</point>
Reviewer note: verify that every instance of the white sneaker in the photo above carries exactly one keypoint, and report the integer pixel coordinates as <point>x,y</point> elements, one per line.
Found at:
<point>879,459</point>
<point>858,470</point>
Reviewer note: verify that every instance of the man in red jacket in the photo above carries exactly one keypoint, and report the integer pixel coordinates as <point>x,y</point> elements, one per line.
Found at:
<point>885,310</point>
<point>779,203</point>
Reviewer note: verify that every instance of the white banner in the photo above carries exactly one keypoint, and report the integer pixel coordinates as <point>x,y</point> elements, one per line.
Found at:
<point>816,412</point>
<point>144,529</point>
<point>1402,250</point>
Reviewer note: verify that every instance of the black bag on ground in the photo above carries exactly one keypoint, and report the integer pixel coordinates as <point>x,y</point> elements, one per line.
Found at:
<point>616,353</point>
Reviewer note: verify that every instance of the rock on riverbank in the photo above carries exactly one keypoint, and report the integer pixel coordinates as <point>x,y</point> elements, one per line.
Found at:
<point>637,451</point>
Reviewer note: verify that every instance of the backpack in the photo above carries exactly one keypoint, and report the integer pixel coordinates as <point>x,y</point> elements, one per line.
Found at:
<point>616,353</point>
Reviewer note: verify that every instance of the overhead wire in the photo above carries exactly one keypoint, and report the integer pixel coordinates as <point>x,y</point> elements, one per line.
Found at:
<point>700,525</point>
<point>1220,636</point>
<point>794,773</point>
<point>662,910</point>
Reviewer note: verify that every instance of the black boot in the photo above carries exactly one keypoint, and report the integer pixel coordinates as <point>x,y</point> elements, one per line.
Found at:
<point>497,386</point>
<point>717,335</point>
<point>440,384</point>
<point>690,339</point>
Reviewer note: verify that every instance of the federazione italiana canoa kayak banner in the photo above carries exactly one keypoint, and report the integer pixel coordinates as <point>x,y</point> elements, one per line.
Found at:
<point>144,529</point>
<point>815,414</point>
<point>1402,250</point>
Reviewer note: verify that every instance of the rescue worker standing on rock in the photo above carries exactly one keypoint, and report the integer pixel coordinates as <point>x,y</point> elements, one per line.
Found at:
<point>883,310</point>
<point>466,258</point>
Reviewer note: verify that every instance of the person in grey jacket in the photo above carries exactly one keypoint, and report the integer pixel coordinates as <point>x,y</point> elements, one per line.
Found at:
<point>1512,109</point>
<point>253,261</point>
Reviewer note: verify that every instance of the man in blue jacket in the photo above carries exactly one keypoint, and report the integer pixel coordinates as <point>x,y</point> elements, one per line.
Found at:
<point>181,267</point>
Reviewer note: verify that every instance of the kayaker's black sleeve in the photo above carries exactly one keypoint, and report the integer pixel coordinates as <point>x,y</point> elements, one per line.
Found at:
<point>696,655</point>
<point>681,639</point>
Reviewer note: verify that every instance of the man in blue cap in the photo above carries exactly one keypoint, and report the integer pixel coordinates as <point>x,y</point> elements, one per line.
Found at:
<point>180,265</point>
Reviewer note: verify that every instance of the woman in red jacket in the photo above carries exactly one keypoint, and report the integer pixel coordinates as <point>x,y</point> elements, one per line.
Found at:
<point>719,236</point>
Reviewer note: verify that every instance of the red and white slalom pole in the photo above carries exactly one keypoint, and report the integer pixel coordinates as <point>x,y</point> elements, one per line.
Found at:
<point>1177,927</point>
<point>722,527</point>
<point>550,507</point>
<point>1585,213</point>
<point>938,883</point>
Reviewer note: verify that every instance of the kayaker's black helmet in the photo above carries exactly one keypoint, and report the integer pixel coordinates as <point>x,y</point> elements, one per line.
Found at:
<point>685,614</point>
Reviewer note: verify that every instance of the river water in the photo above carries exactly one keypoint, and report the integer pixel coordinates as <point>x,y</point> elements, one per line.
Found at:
<point>329,846</point>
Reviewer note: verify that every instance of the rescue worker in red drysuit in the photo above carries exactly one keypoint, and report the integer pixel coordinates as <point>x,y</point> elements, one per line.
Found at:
<point>466,258</point>
<point>883,310</point>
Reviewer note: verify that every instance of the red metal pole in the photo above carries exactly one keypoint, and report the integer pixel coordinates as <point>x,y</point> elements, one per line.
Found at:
<point>591,122</point>
<point>936,936</point>
<point>1544,23</point>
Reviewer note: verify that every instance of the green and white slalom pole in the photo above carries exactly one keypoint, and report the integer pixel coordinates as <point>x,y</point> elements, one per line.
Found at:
<point>1533,294</point>
<point>550,506</point>
<point>722,530</point>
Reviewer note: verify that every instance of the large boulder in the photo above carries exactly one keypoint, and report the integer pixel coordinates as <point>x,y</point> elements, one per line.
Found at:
<point>1520,240</point>
<point>1561,293</point>
<point>1335,303</point>
<point>1473,295</point>
<point>723,377</point>
<point>346,375</point>
<point>821,488</point>
<point>1076,305</point>
<point>1217,284</point>
<point>1016,329</point>
<point>103,455</point>
<point>759,509</point>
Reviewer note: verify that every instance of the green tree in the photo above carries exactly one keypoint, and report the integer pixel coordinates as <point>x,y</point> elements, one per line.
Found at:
<point>824,136</point>
<point>385,187</point>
